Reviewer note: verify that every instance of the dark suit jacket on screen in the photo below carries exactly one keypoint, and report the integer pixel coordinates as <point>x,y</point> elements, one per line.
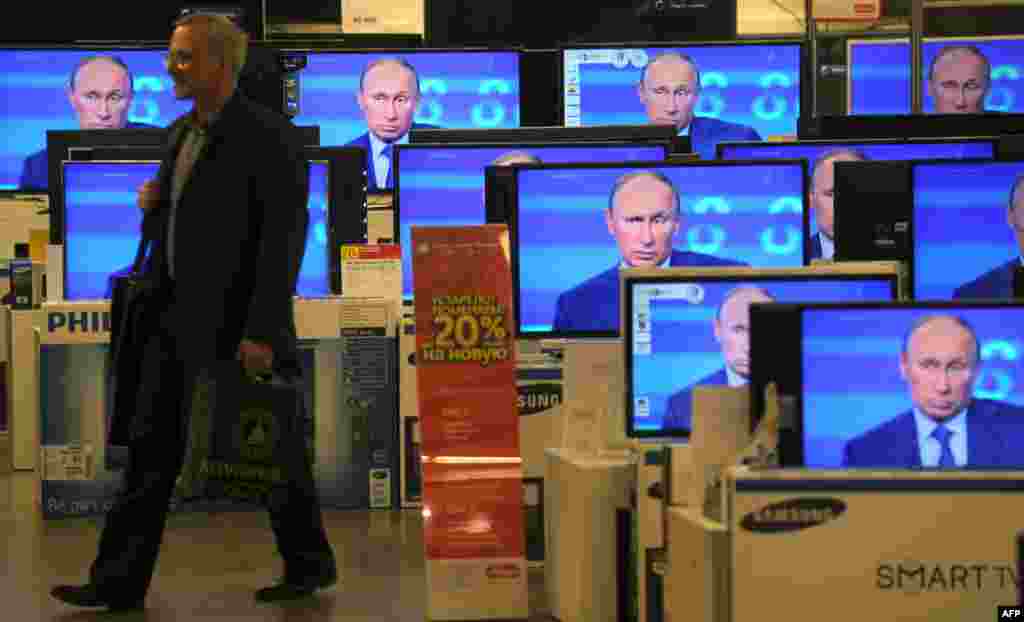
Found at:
<point>996,283</point>
<point>995,435</point>
<point>815,244</point>
<point>35,169</point>
<point>594,303</point>
<point>677,414</point>
<point>707,132</point>
<point>363,140</point>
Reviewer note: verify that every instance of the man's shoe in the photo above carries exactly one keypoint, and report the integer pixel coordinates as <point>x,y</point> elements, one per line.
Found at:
<point>291,590</point>
<point>88,596</point>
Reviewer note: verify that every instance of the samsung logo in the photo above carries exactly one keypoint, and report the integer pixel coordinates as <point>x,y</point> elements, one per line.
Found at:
<point>537,398</point>
<point>78,322</point>
<point>793,515</point>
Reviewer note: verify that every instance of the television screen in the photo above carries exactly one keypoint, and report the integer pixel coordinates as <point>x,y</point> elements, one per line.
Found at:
<point>36,95</point>
<point>313,278</point>
<point>443,185</point>
<point>101,223</point>
<point>821,182</point>
<point>878,76</point>
<point>873,402</point>
<point>693,330</point>
<point>747,91</point>
<point>966,239</point>
<point>102,226</point>
<point>729,213</point>
<point>458,89</point>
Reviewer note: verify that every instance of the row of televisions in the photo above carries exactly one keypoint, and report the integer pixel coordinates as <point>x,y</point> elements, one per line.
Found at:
<point>757,84</point>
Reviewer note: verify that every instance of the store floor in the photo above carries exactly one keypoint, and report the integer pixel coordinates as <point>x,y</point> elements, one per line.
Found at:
<point>211,564</point>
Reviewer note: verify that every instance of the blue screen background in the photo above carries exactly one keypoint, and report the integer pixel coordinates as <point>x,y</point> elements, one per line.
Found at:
<point>900,151</point>
<point>683,346</point>
<point>458,90</point>
<point>746,213</point>
<point>33,98</point>
<point>755,85</point>
<point>313,280</point>
<point>444,186</point>
<point>960,228</point>
<point>851,379</point>
<point>879,81</point>
<point>103,223</point>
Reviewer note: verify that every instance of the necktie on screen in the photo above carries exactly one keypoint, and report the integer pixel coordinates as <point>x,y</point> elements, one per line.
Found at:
<point>942,434</point>
<point>386,152</point>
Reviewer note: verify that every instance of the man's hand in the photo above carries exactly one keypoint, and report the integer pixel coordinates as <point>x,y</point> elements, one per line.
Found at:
<point>257,358</point>
<point>149,195</point>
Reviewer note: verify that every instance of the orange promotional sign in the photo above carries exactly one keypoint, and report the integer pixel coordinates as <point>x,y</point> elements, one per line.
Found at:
<point>469,423</point>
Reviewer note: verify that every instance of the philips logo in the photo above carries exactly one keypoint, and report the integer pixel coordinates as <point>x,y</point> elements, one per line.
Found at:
<point>793,515</point>
<point>537,398</point>
<point>78,322</point>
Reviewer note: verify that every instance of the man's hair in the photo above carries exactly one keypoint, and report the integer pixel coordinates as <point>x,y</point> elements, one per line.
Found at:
<point>394,60</point>
<point>223,36</point>
<point>686,58</point>
<point>739,289</point>
<point>1015,188</point>
<point>515,157</point>
<point>113,60</point>
<point>656,175</point>
<point>961,49</point>
<point>923,321</point>
<point>832,154</point>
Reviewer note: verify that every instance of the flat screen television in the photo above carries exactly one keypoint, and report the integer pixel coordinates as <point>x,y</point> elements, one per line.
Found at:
<point>729,213</point>
<point>473,88</point>
<point>966,238</point>
<point>821,181</point>
<point>35,97</point>
<point>747,89</point>
<point>869,383</point>
<point>443,184</point>
<point>688,327</point>
<point>878,74</point>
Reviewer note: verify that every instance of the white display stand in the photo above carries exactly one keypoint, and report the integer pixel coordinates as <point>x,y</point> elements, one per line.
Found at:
<point>936,546</point>
<point>581,496</point>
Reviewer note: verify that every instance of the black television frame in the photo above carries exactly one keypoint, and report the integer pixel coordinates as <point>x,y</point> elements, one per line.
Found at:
<point>723,275</point>
<point>495,211</point>
<point>804,70</point>
<point>780,344</point>
<point>860,127</point>
<point>346,203</point>
<point>506,183</point>
<point>555,134</point>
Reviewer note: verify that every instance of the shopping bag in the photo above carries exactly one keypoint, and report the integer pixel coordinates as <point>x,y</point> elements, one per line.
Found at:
<point>244,440</point>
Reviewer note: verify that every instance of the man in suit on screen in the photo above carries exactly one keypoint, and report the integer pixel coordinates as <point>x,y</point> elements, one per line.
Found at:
<point>389,92</point>
<point>946,426</point>
<point>959,79</point>
<point>643,215</point>
<point>100,92</point>
<point>998,282</point>
<point>731,326</point>
<point>823,180</point>
<point>669,89</point>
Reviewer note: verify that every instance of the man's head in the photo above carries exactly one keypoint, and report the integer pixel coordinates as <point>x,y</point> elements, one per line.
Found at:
<point>822,186</point>
<point>100,92</point>
<point>206,56</point>
<point>643,215</point>
<point>732,326</point>
<point>959,79</point>
<point>516,157</point>
<point>389,91</point>
<point>669,88</point>
<point>939,362</point>
<point>1015,210</point>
